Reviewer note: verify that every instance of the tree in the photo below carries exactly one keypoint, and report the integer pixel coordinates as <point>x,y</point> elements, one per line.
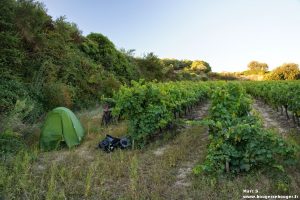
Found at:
<point>11,52</point>
<point>257,67</point>
<point>151,67</point>
<point>200,66</point>
<point>176,64</point>
<point>287,71</point>
<point>99,48</point>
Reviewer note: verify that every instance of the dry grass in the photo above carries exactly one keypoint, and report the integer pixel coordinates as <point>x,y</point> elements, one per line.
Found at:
<point>89,173</point>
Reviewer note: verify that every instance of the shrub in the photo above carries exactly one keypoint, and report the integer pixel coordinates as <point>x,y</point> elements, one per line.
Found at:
<point>17,104</point>
<point>287,71</point>
<point>255,67</point>
<point>10,144</point>
<point>58,94</point>
<point>11,91</point>
<point>110,85</point>
<point>200,66</point>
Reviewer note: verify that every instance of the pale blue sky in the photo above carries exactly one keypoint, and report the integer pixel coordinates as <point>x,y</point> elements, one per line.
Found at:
<point>226,33</point>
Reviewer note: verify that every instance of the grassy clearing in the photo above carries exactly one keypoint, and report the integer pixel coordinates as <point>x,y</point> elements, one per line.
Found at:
<point>267,182</point>
<point>88,173</point>
<point>162,170</point>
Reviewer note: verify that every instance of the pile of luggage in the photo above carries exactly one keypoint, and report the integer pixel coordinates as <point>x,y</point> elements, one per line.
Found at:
<point>110,143</point>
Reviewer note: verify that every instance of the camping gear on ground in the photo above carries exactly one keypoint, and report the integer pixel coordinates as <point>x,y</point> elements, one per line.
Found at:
<point>61,125</point>
<point>110,143</point>
<point>124,143</point>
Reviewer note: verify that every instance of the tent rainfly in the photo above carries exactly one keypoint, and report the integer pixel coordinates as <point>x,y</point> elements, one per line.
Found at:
<point>61,125</point>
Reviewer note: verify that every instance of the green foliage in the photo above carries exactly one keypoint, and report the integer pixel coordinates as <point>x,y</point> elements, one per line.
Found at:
<point>173,69</point>
<point>110,84</point>
<point>102,50</point>
<point>65,97</point>
<point>200,66</point>
<point>287,71</point>
<point>278,94</point>
<point>17,103</point>
<point>191,76</point>
<point>255,67</point>
<point>152,106</point>
<point>150,67</point>
<point>11,91</point>
<point>176,64</point>
<point>50,63</point>
<point>197,70</point>
<point>11,51</point>
<point>238,138</point>
<point>15,174</point>
<point>108,101</point>
<point>10,144</point>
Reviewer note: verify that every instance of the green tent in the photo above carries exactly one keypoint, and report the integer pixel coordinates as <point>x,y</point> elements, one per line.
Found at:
<point>61,125</point>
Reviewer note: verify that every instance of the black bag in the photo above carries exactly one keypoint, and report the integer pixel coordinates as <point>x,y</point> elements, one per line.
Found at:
<point>110,143</point>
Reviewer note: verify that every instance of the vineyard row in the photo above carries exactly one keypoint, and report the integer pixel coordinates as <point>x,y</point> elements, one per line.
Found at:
<point>284,96</point>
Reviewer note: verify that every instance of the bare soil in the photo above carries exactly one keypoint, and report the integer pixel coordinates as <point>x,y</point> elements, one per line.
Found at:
<point>275,120</point>
<point>198,113</point>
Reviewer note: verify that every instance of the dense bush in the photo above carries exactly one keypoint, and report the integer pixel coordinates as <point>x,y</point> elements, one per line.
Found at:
<point>10,144</point>
<point>176,64</point>
<point>200,66</point>
<point>58,94</point>
<point>255,67</point>
<point>287,71</point>
<point>18,103</point>
<point>102,51</point>
<point>11,91</point>
<point>150,67</point>
<point>50,63</point>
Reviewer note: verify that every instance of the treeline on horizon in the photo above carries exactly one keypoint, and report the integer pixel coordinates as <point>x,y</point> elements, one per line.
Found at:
<point>45,63</point>
<point>260,71</point>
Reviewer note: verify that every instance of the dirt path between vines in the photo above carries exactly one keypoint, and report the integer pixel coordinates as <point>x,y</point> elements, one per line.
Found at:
<point>198,113</point>
<point>274,120</point>
<point>186,168</point>
<point>165,169</point>
<point>192,142</point>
